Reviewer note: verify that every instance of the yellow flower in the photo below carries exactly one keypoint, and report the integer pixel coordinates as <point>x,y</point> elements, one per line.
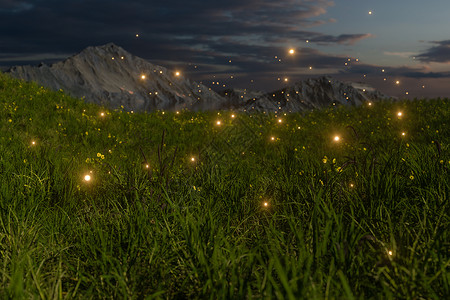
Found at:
<point>99,155</point>
<point>411,177</point>
<point>334,160</point>
<point>324,159</point>
<point>339,169</point>
<point>86,133</point>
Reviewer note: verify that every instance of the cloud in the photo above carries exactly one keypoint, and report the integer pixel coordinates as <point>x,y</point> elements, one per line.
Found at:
<point>401,54</point>
<point>344,39</point>
<point>14,6</point>
<point>12,57</point>
<point>439,53</point>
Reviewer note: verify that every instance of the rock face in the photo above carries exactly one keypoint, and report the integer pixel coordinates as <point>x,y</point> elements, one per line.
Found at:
<point>313,93</point>
<point>110,76</point>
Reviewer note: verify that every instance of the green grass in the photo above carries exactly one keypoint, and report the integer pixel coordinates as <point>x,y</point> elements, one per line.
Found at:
<point>183,229</point>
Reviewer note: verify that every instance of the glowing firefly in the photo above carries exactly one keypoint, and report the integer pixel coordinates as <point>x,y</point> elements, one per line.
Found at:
<point>266,204</point>
<point>291,51</point>
<point>337,138</point>
<point>33,143</point>
<point>397,82</point>
<point>142,77</point>
<point>399,114</point>
<point>102,114</point>
<point>87,178</point>
<point>192,159</point>
<point>403,133</point>
<point>390,253</point>
<point>177,73</point>
<point>370,12</point>
<point>218,122</point>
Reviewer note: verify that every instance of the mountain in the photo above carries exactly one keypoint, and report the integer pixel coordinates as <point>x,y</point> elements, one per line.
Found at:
<point>314,93</point>
<point>110,76</point>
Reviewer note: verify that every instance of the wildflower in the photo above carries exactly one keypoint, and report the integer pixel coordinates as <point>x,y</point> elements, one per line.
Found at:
<point>324,159</point>
<point>411,177</point>
<point>99,155</point>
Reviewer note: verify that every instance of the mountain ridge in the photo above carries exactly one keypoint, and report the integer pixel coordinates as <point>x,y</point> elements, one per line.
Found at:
<point>110,76</point>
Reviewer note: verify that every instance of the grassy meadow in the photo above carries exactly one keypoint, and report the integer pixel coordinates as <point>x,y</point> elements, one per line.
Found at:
<point>341,203</point>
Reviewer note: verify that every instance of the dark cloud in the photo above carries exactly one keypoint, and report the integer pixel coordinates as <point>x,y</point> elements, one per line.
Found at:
<point>439,53</point>
<point>14,6</point>
<point>344,39</point>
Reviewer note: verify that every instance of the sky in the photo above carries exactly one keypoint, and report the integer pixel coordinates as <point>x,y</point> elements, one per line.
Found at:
<point>401,47</point>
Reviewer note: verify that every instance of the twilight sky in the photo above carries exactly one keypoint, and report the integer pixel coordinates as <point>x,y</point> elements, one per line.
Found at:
<point>246,43</point>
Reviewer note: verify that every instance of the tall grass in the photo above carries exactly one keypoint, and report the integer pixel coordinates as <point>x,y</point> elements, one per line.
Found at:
<point>298,216</point>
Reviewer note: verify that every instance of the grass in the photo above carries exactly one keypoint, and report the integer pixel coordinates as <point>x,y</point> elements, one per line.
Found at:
<point>299,216</point>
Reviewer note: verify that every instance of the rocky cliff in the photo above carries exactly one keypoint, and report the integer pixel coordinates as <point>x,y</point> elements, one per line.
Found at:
<point>110,76</point>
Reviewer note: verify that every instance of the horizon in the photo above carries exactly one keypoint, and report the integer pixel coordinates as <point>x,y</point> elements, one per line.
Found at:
<point>247,45</point>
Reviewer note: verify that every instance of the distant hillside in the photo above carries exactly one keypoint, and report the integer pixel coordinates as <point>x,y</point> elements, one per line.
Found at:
<point>313,93</point>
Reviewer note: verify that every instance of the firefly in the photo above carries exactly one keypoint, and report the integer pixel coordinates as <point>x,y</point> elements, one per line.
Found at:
<point>370,103</point>
<point>87,178</point>
<point>192,159</point>
<point>232,116</point>
<point>403,133</point>
<point>370,12</point>
<point>177,73</point>
<point>337,138</point>
<point>137,35</point>
<point>266,204</point>
<point>33,143</point>
<point>390,253</point>
<point>147,166</point>
<point>218,122</point>
<point>279,120</point>
<point>272,138</point>
<point>399,114</point>
<point>291,51</point>
<point>102,114</point>
<point>397,82</point>
<point>286,79</point>
<point>142,77</point>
